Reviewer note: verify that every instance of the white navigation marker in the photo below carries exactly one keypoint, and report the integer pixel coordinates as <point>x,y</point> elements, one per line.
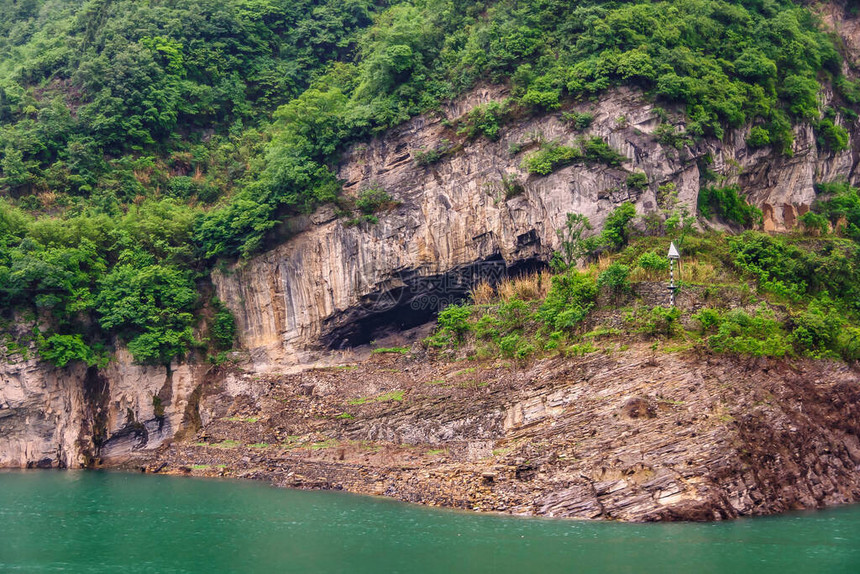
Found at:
<point>673,255</point>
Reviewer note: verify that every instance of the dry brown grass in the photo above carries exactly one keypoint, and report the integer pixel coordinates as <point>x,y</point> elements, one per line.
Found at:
<point>533,286</point>
<point>48,199</point>
<point>482,294</point>
<point>526,287</point>
<point>697,271</point>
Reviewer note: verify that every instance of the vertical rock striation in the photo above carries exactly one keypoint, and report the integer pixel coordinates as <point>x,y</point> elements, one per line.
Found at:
<point>332,280</point>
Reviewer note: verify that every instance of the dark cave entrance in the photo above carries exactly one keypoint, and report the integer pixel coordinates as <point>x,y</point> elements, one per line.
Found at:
<point>416,300</point>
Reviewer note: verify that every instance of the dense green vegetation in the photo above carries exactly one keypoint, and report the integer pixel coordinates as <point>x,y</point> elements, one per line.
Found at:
<point>795,295</point>
<point>141,141</point>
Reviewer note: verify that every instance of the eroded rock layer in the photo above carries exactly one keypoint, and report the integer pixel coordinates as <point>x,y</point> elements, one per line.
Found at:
<point>629,435</point>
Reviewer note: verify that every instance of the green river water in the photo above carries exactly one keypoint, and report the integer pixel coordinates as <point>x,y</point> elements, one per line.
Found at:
<point>113,522</point>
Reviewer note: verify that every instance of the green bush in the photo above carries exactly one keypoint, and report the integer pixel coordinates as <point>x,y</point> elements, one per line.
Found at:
<point>759,137</point>
<point>371,200</point>
<point>758,335</point>
<point>817,330</point>
<point>830,136</point>
<point>658,320</point>
<point>455,319</point>
<point>708,319</point>
<point>653,262</point>
<point>60,350</point>
<point>568,302</point>
<point>728,204</point>
<point>579,121</point>
<point>514,314</point>
<point>616,228</point>
<point>839,202</point>
<point>550,157</point>
<point>486,119</point>
<point>812,221</point>
<point>637,180</point>
<point>596,150</point>
<point>223,329</point>
<point>616,279</point>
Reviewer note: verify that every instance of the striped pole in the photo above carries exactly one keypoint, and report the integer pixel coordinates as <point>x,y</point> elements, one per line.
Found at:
<point>673,254</point>
<point>672,282</point>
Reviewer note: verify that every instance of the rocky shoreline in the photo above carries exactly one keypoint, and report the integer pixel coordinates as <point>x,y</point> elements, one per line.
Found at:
<point>624,433</point>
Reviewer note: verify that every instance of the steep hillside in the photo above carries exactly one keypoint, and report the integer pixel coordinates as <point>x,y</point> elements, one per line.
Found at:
<point>142,141</point>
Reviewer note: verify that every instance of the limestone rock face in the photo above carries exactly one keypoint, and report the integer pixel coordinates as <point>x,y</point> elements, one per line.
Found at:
<point>461,218</point>
<point>76,416</point>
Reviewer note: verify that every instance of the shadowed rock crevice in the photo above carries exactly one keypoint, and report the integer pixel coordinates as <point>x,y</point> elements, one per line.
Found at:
<point>411,299</point>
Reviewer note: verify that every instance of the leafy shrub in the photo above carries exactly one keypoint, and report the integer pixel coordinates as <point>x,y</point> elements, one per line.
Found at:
<point>568,302</point>
<point>653,262</point>
<point>758,335</point>
<point>616,279</point>
<point>791,272</point>
<point>514,314</point>
<point>579,121</point>
<point>728,204</point>
<point>839,202</point>
<point>60,350</point>
<point>817,329</point>
<point>759,137</point>
<point>831,136</point>
<point>596,150</point>
<point>708,319</point>
<point>550,157</point>
<point>658,320</point>
<point>373,199</point>
<point>512,186</point>
<point>426,157</point>
<point>814,222</point>
<point>486,120</point>
<point>616,228</point>
<point>573,245</point>
<point>223,328</point>
<point>455,319</point>
<point>637,180</point>
<point>515,346</point>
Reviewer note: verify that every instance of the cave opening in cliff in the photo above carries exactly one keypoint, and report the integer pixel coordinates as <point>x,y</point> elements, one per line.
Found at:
<point>417,300</point>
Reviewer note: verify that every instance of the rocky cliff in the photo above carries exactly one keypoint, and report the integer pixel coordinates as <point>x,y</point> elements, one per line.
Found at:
<point>335,285</point>
<point>79,416</point>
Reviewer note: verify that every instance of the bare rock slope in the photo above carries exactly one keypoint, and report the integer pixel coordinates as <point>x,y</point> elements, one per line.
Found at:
<point>617,434</point>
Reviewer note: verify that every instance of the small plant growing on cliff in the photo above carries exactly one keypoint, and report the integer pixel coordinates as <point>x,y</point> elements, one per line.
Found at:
<point>486,120</point>
<point>728,204</point>
<point>831,136</point>
<point>596,150</point>
<point>637,180</point>
<point>578,121</point>
<point>372,200</point>
<point>512,186</point>
<point>572,243</point>
<point>60,350</point>
<point>550,157</point>
<point>223,328</point>
<point>759,137</point>
<point>425,157</point>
